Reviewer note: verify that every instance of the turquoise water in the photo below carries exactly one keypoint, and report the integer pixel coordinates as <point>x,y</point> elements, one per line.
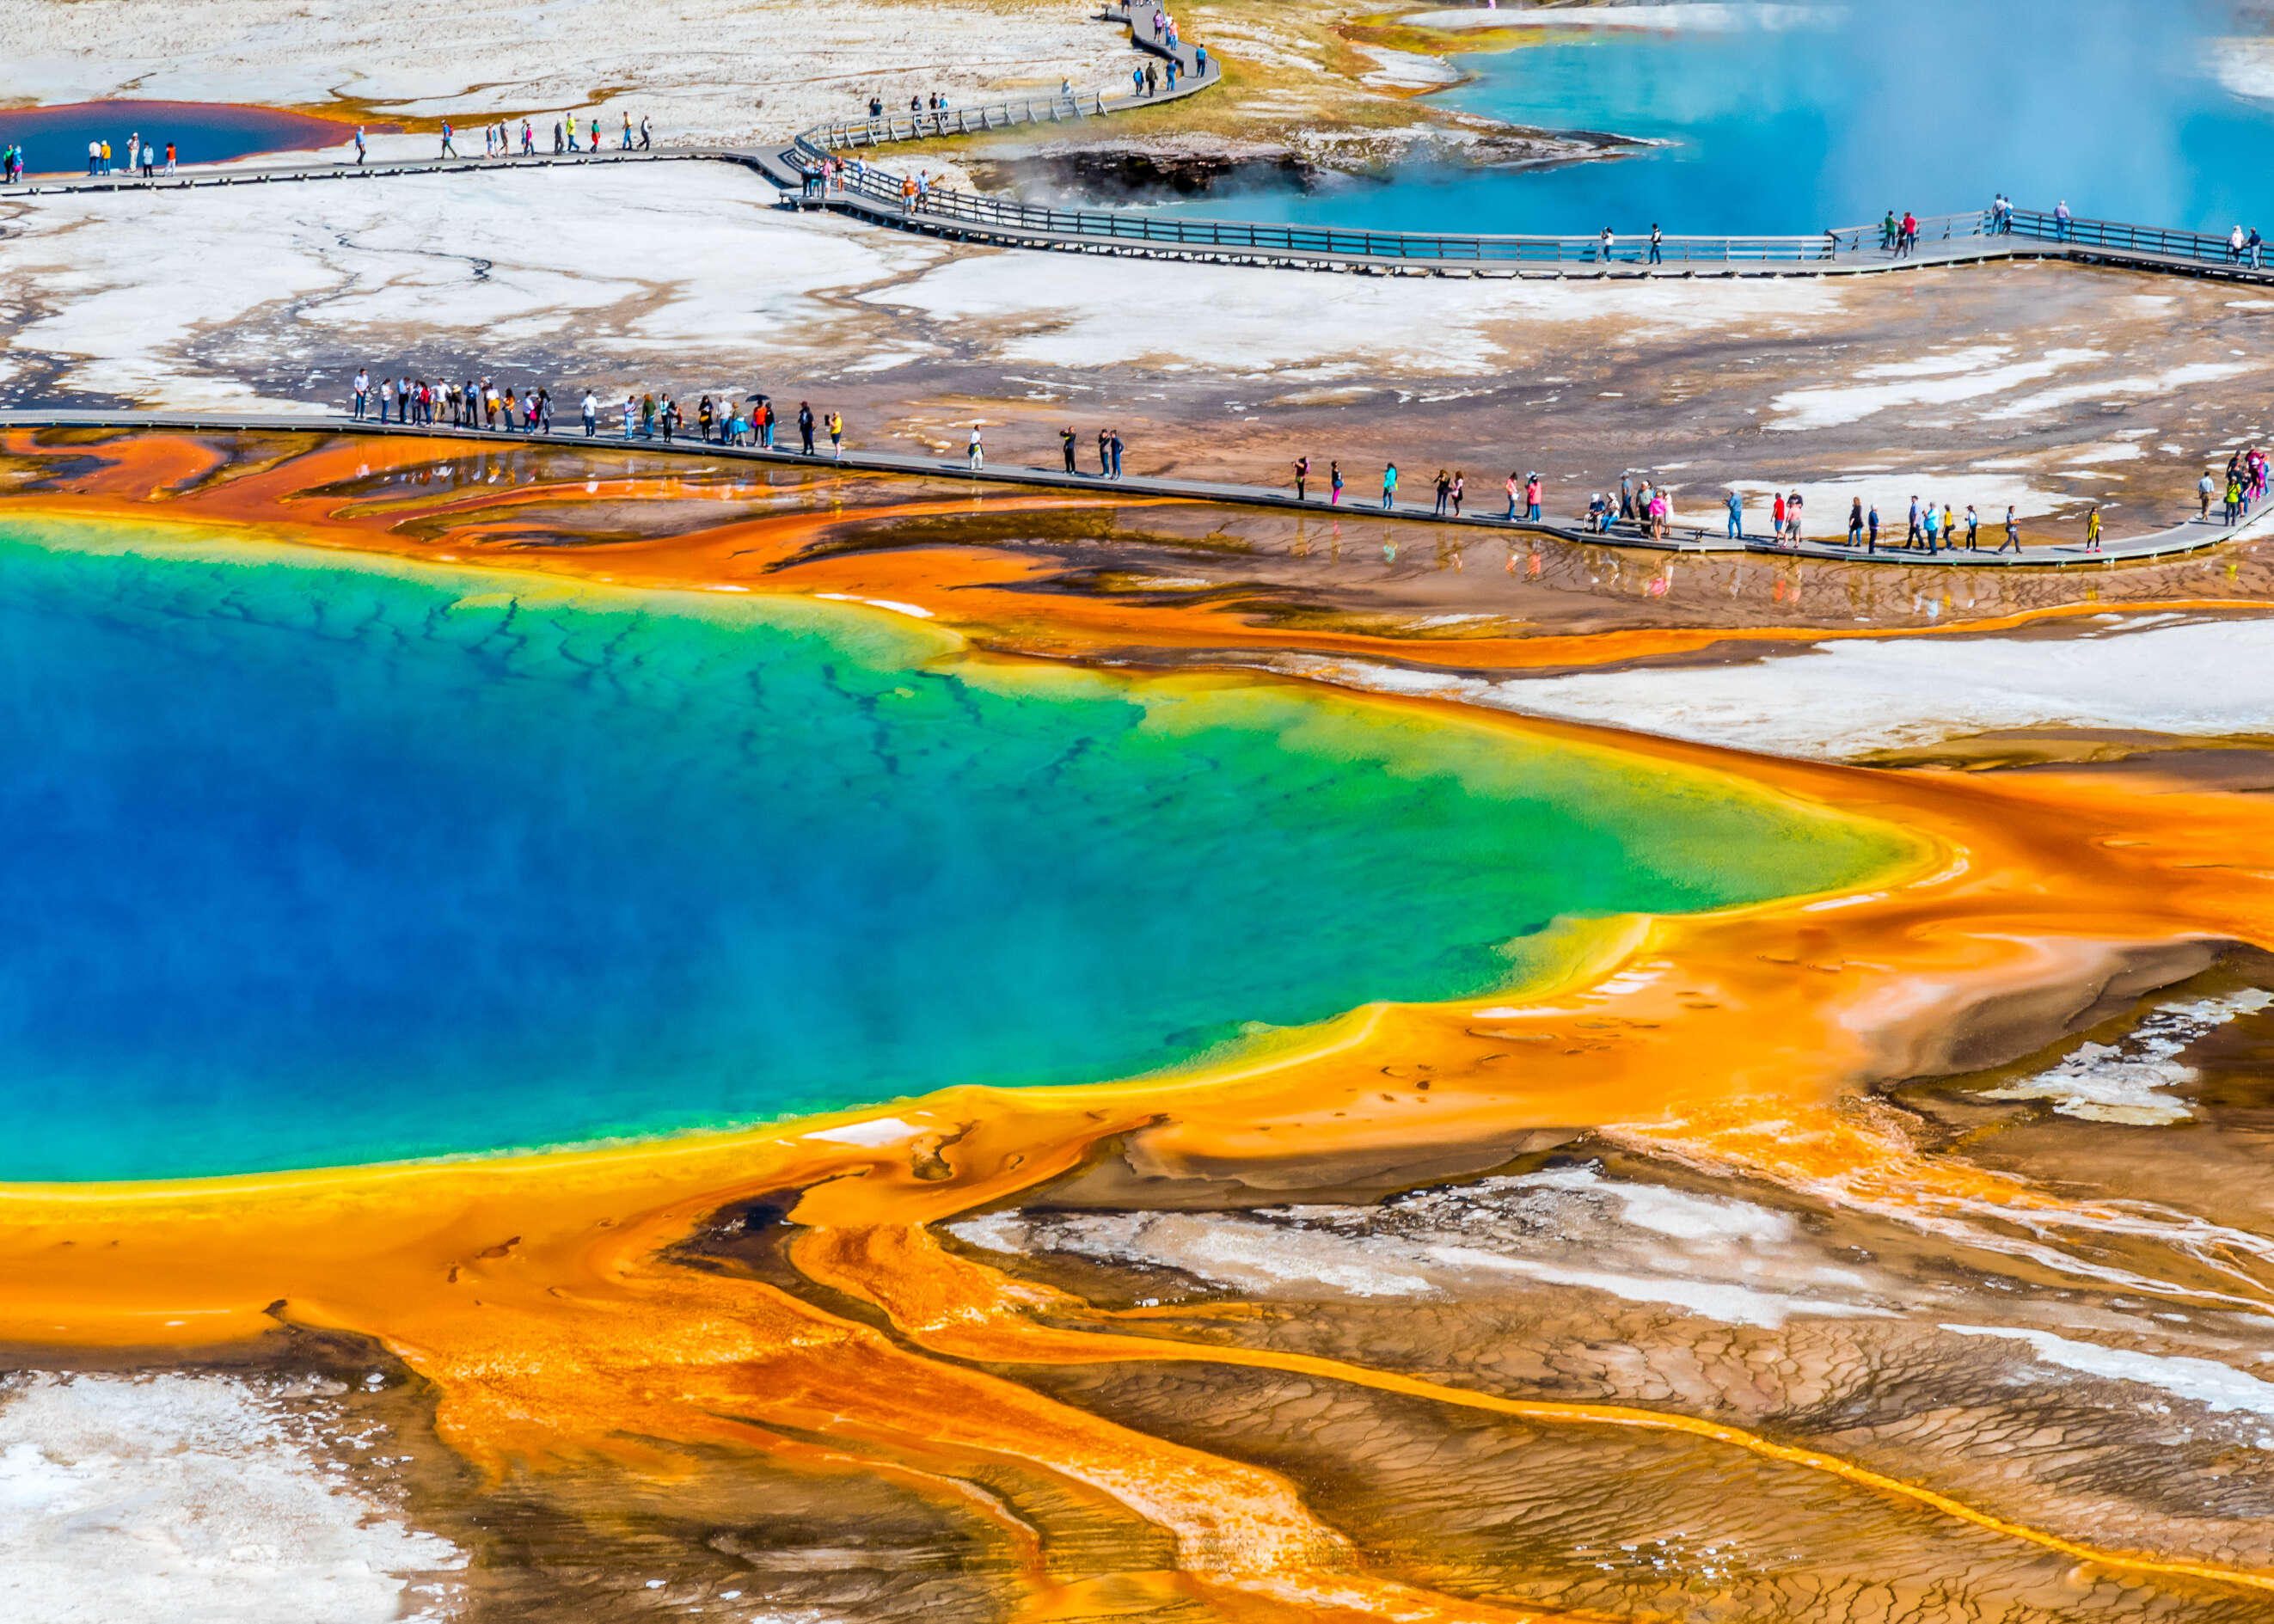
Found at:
<point>1845,112</point>
<point>312,863</point>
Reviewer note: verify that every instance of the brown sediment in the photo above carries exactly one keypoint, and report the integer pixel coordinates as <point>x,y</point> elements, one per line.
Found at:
<point>554,1302</point>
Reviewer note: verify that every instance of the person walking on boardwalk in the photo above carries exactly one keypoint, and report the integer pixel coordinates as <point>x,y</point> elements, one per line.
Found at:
<point>1735,505</point>
<point>1388,485</point>
<point>2092,529</point>
<point>2013,532</point>
<point>1776,517</point>
<point>1911,535</point>
<point>974,454</point>
<point>1113,445</point>
<point>360,146</point>
<point>591,415</point>
<point>1657,242</point>
<point>1302,474</point>
<point>1152,79</point>
<point>1933,528</point>
<point>1887,230</point>
<point>1973,529</point>
<point>1855,520</point>
<point>836,425</point>
<point>1531,497</point>
<point>449,146</point>
<point>1949,529</point>
<point>1065,444</point>
<point>2204,492</point>
<point>1334,485</point>
<point>805,427</point>
<point>361,389</point>
<point>1661,515</point>
<point>2062,220</point>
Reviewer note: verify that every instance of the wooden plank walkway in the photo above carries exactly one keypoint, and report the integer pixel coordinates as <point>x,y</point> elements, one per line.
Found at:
<point>2194,536</point>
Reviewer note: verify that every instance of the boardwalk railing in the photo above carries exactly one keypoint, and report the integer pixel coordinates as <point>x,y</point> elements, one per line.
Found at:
<point>924,125</point>
<point>2117,236</point>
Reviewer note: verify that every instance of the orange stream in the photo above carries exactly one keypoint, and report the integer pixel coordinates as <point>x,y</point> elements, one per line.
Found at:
<point>544,1297</point>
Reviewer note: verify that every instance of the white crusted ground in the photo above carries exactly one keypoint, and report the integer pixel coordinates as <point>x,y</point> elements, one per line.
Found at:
<point>1851,698</point>
<point>702,72</point>
<point>192,1499</point>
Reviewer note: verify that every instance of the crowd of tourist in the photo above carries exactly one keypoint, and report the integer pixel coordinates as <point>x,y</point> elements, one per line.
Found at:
<point>495,407</point>
<point>140,156</point>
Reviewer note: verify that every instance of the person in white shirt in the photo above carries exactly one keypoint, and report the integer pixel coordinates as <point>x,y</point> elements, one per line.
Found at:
<point>591,414</point>
<point>631,414</point>
<point>362,387</point>
<point>978,456</point>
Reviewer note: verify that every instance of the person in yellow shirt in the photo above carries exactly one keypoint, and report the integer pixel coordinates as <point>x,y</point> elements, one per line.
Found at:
<point>2092,530</point>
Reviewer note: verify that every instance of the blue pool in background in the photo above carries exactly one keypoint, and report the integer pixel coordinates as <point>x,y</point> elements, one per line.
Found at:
<point>54,139</point>
<point>1839,113</point>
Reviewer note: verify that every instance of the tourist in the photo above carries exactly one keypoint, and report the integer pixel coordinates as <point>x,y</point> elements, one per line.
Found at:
<point>1302,472</point>
<point>2092,529</point>
<point>2257,246</point>
<point>596,132</point>
<point>1104,454</point>
<point>1661,515</point>
<point>134,159</point>
<point>591,415</point>
<point>1607,242</point>
<point>1949,527</point>
<point>628,132</point>
<point>2233,500</point>
<point>706,413</point>
<point>1973,529</point>
<point>1792,505</point>
<point>1334,484</point>
<point>1199,62</point>
<point>2062,220</point>
<point>1136,88</point>
<point>1531,497</point>
<point>644,131</point>
<point>1657,241</point>
<point>977,456</point>
<point>1113,444</point>
<point>1855,520</point>
<point>1735,504</point>
<point>386,397</point>
<point>805,428</point>
<point>1444,491</point>
<point>1888,232</point>
<point>2203,490</point>
<point>558,146</point>
<point>1871,523</point>
<point>1460,487</point>
<point>360,146</point>
<point>95,157</point>
<point>2013,532</point>
<point>1514,486</point>
<point>169,159</point>
<point>1776,517</point>
<point>1911,537</point>
<point>836,425</point>
<point>572,134</point>
<point>2235,246</point>
<point>1933,522</point>
<point>1388,485</point>
<point>528,140</point>
<point>361,389</point>
<point>1152,79</point>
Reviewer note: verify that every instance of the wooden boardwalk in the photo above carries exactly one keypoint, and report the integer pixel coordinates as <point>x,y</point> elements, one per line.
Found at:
<point>2194,536</point>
